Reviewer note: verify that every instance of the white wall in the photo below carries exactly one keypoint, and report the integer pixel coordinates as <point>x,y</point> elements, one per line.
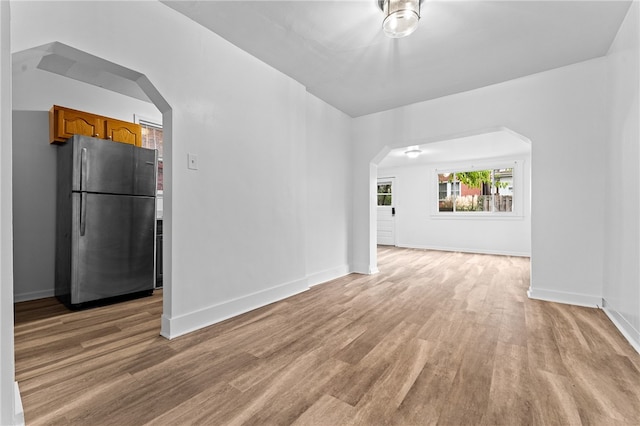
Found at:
<point>563,113</point>
<point>621,290</point>
<point>34,202</point>
<point>10,407</point>
<point>418,226</point>
<point>328,191</point>
<point>34,168</point>
<point>38,90</point>
<point>238,224</point>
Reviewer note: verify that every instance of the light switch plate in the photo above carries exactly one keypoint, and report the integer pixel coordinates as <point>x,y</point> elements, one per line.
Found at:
<point>192,161</point>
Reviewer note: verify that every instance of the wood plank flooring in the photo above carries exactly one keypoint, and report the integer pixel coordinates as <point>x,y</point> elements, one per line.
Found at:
<point>434,338</point>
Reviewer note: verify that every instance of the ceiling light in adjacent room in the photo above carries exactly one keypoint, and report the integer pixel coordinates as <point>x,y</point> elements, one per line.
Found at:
<point>413,152</point>
<point>401,17</point>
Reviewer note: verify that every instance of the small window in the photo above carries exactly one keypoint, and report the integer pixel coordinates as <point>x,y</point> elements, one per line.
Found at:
<point>384,193</point>
<point>487,191</point>
<point>152,138</point>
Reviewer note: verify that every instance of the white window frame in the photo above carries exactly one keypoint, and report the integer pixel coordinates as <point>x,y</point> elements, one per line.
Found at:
<point>518,190</point>
<point>451,188</point>
<point>385,181</point>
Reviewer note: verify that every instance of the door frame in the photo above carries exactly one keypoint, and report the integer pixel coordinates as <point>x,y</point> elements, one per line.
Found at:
<point>392,180</point>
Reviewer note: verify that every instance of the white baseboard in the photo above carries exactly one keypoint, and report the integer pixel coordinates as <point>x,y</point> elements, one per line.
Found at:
<point>628,331</point>
<point>183,324</point>
<point>327,275</point>
<point>18,412</point>
<point>361,268</point>
<point>467,250</point>
<point>578,299</point>
<point>33,295</point>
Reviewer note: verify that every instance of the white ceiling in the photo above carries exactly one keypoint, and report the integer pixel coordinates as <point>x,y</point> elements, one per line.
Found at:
<point>501,143</point>
<point>337,49</point>
<point>67,61</point>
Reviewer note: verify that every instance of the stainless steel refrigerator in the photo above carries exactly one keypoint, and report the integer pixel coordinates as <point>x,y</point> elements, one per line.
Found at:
<point>105,222</point>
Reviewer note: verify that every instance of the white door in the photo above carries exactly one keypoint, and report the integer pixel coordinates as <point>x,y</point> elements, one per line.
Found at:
<point>386,212</point>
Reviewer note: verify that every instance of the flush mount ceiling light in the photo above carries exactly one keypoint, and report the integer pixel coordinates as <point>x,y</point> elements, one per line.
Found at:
<point>413,152</point>
<point>400,17</point>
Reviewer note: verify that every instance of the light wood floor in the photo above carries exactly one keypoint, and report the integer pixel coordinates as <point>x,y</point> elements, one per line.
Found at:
<point>434,338</point>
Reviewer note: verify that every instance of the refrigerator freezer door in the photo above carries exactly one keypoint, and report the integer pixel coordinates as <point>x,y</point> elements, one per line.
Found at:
<point>109,167</point>
<point>113,242</point>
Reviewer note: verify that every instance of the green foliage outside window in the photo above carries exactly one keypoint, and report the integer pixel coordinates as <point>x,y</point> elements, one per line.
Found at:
<point>384,194</point>
<point>488,181</point>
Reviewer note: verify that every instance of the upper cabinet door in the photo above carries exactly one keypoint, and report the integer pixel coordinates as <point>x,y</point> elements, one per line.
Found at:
<point>123,131</point>
<point>69,122</point>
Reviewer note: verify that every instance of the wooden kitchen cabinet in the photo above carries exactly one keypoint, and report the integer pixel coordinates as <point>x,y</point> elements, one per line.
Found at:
<point>66,122</point>
<point>123,131</point>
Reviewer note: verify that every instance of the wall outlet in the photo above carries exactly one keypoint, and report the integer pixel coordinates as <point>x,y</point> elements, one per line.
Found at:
<point>192,161</point>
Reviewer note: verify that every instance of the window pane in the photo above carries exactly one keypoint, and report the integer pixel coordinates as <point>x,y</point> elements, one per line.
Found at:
<point>503,190</point>
<point>384,194</point>
<point>160,174</point>
<point>384,188</point>
<point>474,184</point>
<point>445,196</point>
<point>442,191</point>
<point>468,187</point>
<point>455,189</point>
<point>152,139</point>
<point>489,190</point>
<point>384,199</point>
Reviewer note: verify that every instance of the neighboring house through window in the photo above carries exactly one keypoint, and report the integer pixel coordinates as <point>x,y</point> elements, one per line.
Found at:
<point>488,190</point>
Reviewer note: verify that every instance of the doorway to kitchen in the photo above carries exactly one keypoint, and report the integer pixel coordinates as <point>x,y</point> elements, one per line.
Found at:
<point>114,79</point>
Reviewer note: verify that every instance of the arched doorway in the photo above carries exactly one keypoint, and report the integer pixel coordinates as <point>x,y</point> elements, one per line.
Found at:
<point>419,221</point>
<point>78,65</point>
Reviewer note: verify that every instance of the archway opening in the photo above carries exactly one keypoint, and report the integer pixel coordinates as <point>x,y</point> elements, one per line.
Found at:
<point>74,64</point>
<point>498,222</point>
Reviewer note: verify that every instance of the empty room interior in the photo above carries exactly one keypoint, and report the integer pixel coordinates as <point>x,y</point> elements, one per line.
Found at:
<point>369,212</point>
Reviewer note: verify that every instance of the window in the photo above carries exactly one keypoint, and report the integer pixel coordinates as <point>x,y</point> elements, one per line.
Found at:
<point>472,190</point>
<point>448,189</point>
<point>384,193</point>
<point>152,139</point>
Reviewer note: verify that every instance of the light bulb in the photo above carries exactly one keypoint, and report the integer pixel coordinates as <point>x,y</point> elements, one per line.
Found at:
<point>402,17</point>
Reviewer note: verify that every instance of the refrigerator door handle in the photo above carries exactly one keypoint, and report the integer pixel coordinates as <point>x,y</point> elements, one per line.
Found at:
<point>83,213</point>
<point>84,171</point>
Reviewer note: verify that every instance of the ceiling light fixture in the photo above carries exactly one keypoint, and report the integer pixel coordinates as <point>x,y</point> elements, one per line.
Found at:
<point>413,152</point>
<point>400,17</point>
